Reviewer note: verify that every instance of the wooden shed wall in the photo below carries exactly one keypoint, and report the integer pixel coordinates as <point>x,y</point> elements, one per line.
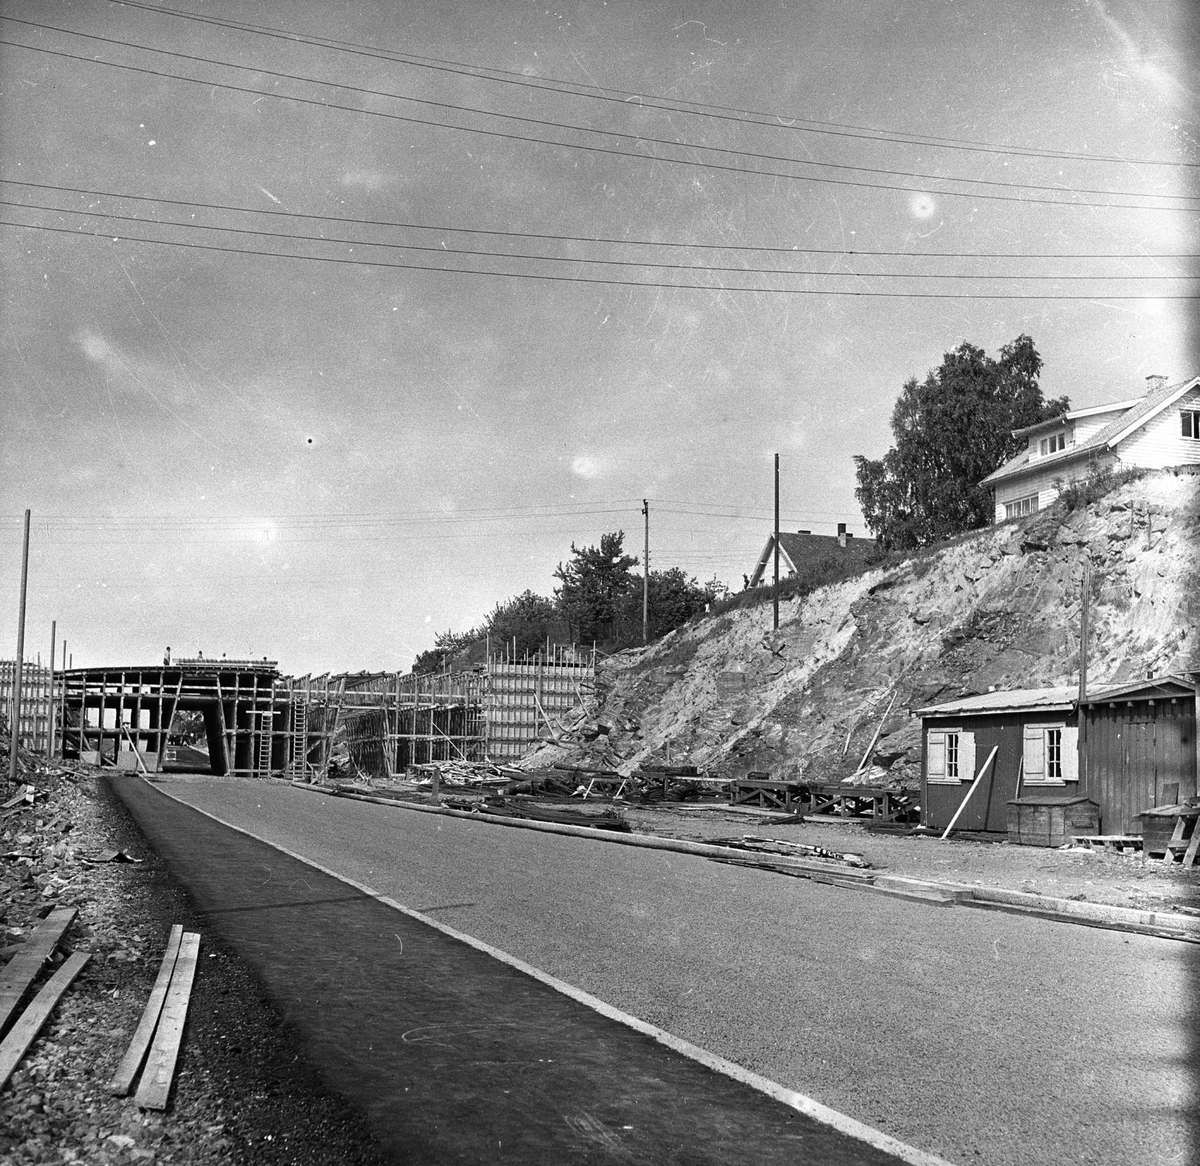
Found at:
<point>988,807</point>
<point>1138,754</point>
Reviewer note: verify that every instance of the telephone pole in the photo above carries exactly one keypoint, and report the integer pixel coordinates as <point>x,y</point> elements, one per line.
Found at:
<point>775,544</point>
<point>646,577</point>
<point>16,705</point>
<point>50,706</point>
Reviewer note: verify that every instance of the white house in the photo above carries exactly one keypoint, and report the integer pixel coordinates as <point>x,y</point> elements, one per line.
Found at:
<point>1154,431</point>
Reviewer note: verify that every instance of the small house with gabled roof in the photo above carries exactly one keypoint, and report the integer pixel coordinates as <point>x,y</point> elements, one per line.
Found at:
<point>802,551</point>
<point>1155,431</point>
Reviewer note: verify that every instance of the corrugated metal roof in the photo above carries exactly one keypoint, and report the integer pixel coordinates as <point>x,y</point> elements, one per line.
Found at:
<point>1022,699</point>
<point>1009,700</point>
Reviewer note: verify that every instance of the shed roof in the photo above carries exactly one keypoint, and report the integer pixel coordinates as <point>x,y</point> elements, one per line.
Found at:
<point>1152,688</point>
<point>1063,697</point>
<point>1009,700</point>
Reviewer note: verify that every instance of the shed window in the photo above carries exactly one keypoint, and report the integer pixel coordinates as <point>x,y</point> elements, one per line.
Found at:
<point>949,755</point>
<point>1190,422</point>
<point>1051,755</point>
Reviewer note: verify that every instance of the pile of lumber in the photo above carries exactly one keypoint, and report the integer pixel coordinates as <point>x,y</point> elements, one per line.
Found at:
<point>606,819</point>
<point>468,774</point>
<point>17,979</point>
<point>791,849</point>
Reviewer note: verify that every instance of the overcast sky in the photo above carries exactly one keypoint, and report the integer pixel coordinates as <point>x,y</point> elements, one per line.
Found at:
<point>328,326</point>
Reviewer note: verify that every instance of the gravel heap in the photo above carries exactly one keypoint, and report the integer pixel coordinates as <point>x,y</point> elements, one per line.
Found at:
<point>243,1092</point>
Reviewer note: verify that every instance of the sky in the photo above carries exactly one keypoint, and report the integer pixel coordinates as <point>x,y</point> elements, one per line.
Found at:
<point>326,327</point>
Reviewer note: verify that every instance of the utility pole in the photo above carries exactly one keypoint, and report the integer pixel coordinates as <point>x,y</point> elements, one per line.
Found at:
<point>16,706</point>
<point>1084,614</point>
<point>646,577</point>
<point>775,542</point>
<point>50,699</point>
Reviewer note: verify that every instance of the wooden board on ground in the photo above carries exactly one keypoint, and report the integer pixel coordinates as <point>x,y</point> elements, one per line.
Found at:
<point>16,1044</point>
<point>23,968</point>
<point>156,1080</point>
<point>122,1079</point>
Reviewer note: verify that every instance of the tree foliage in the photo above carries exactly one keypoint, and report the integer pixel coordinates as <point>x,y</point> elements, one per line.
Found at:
<point>595,584</point>
<point>674,597</point>
<point>527,619</point>
<point>951,430</point>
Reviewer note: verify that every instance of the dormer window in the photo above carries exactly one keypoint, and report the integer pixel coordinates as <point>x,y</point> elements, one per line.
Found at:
<point>1049,445</point>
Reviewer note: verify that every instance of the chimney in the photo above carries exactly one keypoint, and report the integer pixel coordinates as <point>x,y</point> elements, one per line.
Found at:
<point>841,534</point>
<point>1155,382</point>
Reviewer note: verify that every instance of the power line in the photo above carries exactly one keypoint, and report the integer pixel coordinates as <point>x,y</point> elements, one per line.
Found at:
<point>779,121</point>
<point>643,157</point>
<point>442,249</point>
<point>592,280</point>
<point>608,240</point>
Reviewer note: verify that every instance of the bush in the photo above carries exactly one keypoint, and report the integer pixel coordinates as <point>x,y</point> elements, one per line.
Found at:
<point>1101,480</point>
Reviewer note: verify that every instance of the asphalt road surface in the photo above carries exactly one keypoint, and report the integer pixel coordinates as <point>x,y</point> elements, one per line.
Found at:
<point>976,1036</point>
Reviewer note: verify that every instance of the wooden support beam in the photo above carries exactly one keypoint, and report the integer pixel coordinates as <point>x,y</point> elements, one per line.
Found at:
<point>974,786</point>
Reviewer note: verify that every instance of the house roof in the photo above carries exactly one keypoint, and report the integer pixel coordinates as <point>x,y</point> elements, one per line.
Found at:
<point>797,548</point>
<point>1137,414</point>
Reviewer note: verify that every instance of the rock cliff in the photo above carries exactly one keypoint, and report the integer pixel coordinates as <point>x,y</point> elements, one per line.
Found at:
<point>998,608</point>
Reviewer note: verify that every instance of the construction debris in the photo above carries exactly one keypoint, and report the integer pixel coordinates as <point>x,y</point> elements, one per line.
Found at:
<point>794,849</point>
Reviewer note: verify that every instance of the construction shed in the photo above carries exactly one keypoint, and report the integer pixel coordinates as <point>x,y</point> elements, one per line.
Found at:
<point>1139,749</point>
<point>1034,732</point>
<point>1126,748</point>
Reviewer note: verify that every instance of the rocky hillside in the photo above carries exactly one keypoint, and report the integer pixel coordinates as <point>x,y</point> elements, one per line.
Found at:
<point>996,608</point>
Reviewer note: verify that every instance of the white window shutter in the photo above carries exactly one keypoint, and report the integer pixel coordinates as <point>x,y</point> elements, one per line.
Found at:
<point>1070,753</point>
<point>966,756</point>
<point>935,754</point>
<point>1035,753</point>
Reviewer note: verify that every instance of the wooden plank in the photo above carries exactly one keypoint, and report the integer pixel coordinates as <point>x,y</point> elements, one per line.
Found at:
<point>23,968</point>
<point>156,1080</point>
<point>1189,855</point>
<point>974,785</point>
<point>122,1079</point>
<point>16,1044</point>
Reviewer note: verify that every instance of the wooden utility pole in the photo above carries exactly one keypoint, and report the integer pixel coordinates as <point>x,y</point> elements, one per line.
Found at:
<point>1084,613</point>
<point>16,705</point>
<point>646,577</point>
<point>775,545</point>
<point>50,699</point>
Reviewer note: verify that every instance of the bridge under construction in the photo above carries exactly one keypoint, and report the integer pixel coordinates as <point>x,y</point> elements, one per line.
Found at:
<point>257,722</point>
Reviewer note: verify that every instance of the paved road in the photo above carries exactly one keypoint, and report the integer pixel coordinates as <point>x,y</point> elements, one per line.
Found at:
<point>976,1036</point>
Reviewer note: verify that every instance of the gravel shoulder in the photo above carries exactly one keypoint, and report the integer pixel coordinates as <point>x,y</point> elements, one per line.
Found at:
<point>242,1092</point>
<point>1115,879</point>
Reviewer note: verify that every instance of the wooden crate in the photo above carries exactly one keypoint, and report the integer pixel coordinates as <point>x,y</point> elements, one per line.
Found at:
<point>1043,820</point>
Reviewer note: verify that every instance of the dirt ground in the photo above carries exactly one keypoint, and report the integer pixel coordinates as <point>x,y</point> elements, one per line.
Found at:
<point>242,1093</point>
<point>1116,879</point>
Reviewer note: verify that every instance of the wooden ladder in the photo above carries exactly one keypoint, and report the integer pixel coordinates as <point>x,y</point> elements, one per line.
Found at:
<point>297,768</point>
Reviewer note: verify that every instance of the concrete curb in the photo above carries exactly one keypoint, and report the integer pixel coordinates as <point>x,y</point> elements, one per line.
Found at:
<point>1154,923</point>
